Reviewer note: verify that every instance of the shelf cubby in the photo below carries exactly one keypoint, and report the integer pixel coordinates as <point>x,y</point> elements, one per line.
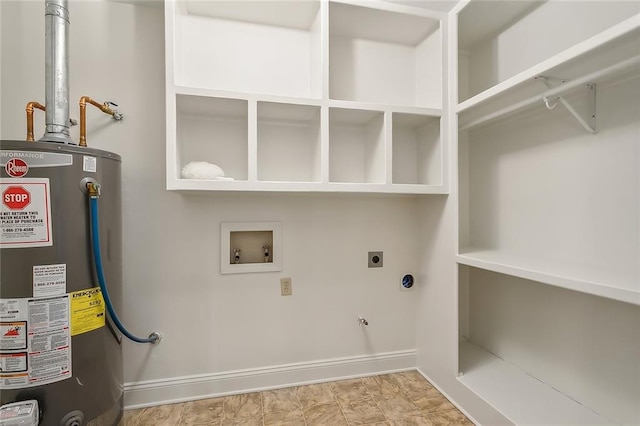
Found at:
<point>417,149</point>
<point>288,142</point>
<point>269,47</point>
<point>214,130</point>
<point>384,56</point>
<point>357,146</point>
<point>520,397</point>
<point>547,355</point>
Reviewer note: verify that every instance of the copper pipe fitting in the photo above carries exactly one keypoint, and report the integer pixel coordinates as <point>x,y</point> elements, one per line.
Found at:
<point>30,108</point>
<point>93,189</point>
<point>83,115</point>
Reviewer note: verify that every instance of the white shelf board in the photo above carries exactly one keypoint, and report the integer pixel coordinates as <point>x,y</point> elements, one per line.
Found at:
<point>433,112</point>
<point>285,112</point>
<point>521,398</point>
<point>482,19</point>
<point>582,278</point>
<point>332,103</point>
<point>383,22</point>
<point>386,188</point>
<point>201,106</point>
<point>273,186</point>
<point>410,188</point>
<point>229,94</point>
<point>630,26</point>
<point>352,117</point>
<point>412,120</point>
<point>240,185</point>
<point>291,14</point>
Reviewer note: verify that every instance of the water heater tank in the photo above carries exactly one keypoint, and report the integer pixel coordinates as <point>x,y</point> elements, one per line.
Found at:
<point>57,345</point>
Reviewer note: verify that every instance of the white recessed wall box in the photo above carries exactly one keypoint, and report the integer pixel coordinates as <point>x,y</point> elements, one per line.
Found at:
<point>247,247</point>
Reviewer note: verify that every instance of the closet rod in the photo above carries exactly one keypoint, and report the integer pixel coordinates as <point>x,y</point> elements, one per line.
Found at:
<point>589,78</point>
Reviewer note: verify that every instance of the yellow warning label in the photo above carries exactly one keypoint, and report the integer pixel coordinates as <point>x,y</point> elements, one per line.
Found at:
<point>87,310</point>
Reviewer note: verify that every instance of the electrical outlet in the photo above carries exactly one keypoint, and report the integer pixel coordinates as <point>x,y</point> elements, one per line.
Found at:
<point>285,287</point>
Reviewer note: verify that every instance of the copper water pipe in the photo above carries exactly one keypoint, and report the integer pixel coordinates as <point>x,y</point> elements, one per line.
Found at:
<point>83,115</point>
<point>29,108</point>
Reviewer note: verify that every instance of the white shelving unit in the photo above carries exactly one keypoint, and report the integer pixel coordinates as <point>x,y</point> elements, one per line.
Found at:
<point>523,399</point>
<point>584,278</point>
<point>549,203</point>
<point>314,91</point>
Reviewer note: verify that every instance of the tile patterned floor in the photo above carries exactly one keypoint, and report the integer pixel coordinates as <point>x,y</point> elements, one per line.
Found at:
<point>394,399</point>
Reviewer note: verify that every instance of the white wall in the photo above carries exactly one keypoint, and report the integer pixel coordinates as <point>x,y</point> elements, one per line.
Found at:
<point>211,323</point>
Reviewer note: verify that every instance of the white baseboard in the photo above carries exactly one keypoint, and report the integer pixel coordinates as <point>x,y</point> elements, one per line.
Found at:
<point>188,388</point>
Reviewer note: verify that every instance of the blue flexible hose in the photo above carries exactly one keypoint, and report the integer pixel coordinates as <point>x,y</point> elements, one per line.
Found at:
<point>97,256</point>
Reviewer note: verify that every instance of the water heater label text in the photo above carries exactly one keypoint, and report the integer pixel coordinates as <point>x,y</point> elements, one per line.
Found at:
<point>25,213</point>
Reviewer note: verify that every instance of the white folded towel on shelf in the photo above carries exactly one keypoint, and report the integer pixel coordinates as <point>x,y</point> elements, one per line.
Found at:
<point>203,171</point>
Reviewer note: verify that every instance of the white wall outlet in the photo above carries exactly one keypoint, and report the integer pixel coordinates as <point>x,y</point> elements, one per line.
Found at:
<point>285,287</point>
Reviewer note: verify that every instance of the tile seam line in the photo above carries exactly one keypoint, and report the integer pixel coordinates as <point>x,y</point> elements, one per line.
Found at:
<point>335,399</point>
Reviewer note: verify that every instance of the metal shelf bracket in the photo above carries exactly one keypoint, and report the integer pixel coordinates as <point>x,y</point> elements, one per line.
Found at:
<point>590,122</point>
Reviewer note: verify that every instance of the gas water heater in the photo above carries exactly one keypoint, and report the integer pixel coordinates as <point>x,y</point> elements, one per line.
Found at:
<point>61,263</point>
<point>57,345</point>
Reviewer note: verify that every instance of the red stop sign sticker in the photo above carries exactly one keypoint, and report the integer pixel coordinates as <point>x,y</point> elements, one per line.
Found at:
<point>16,198</point>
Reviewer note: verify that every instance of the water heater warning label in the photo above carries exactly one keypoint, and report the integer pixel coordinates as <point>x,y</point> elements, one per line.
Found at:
<point>13,363</point>
<point>35,341</point>
<point>25,213</point>
<point>49,280</point>
<point>13,335</point>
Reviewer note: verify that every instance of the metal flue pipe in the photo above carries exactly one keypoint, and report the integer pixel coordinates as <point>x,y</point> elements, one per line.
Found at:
<point>57,72</point>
